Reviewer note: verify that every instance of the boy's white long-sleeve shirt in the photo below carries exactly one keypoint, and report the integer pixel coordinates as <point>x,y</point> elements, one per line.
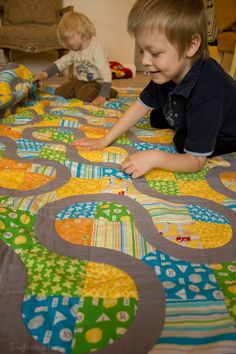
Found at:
<point>89,64</point>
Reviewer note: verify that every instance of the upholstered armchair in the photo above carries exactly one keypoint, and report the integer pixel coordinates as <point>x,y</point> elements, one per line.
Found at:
<point>30,26</point>
<point>225,12</point>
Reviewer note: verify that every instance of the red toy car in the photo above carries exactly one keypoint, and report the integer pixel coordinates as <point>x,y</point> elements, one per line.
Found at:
<point>181,239</point>
<point>119,71</point>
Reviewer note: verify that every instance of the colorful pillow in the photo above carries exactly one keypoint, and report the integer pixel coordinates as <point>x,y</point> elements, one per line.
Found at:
<point>16,83</point>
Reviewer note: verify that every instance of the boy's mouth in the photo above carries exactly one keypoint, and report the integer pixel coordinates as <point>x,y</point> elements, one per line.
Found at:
<point>150,73</point>
<point>154,72</point>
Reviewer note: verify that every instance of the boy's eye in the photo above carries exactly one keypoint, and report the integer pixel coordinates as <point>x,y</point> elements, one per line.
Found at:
<point>155,54</point>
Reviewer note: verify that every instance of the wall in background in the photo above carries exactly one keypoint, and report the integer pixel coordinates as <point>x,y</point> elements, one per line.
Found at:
<point>110,19</point>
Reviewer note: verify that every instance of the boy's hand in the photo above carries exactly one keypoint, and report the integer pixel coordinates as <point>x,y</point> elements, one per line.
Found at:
<point>39,78</point>
<point>98,101</point>
<point>140,163</point>
<point>90,143</point>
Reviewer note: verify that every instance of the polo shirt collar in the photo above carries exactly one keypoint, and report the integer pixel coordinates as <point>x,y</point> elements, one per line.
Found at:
<point>185,87</point>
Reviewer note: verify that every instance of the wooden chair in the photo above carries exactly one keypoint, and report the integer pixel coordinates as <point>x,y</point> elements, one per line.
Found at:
<point>225,12</point>
<point>30,26</point>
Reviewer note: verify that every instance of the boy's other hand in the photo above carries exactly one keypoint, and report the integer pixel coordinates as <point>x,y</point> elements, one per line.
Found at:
<point>98,101</point>
<point>142,162</point>
<point>40,77</point>
<point>138,164</point>
<point>90,143</point>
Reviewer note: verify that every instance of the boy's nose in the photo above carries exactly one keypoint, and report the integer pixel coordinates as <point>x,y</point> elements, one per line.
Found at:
<point>146,59</point>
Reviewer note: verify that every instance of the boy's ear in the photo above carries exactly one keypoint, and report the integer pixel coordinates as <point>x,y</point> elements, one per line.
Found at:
<point>194,45</point>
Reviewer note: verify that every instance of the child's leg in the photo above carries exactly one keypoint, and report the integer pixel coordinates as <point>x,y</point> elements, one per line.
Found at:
<point>157,120</point>
<point>88,91</point>
<point>222,148</point>
<point>113,93</point>
<point>179,140</point>
<point>67,90</point>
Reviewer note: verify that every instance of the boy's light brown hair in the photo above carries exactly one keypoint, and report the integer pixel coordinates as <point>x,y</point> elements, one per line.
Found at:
<point>75,22</point>
<point>179,20</point>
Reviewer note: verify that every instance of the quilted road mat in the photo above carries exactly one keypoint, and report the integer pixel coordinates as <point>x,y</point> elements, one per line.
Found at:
<point>93,261</point>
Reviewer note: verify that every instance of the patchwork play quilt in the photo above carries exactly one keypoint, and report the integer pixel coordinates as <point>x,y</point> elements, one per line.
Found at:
<point>94,261</point>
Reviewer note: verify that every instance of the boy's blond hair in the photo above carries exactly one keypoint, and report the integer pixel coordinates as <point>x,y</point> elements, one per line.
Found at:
<point>72,23</point>
<point>179,20</point>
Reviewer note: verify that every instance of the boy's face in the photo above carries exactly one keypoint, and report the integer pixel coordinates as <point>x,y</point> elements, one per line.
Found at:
<point>161,58</point>
<point>73,42</point>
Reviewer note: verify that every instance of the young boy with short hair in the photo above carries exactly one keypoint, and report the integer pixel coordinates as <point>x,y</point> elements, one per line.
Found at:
<point>93,75</point>
<point>188,92</point>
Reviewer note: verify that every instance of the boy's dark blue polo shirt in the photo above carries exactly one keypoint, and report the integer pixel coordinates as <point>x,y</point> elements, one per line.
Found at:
<point>203,104</point>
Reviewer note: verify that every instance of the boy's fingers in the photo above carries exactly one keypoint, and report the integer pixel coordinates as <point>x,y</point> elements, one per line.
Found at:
<point>136,174</point>
<point>86,145</point>
<point>80,142</point>
<point>131,172</point>
<point>127,164</point>
<point>126,161</point>
<point>129,169</point>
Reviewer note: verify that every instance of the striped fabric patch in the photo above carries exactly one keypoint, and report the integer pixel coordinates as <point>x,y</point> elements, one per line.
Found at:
<point>42,170</point>
<point>167,212</point>
<point>120,236</point>
<point>69,123</point>
<point>31,203</point>
<point>202,322</point>
<point>112,157</point>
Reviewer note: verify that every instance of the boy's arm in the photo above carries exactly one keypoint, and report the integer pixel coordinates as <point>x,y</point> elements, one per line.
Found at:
<point>48,72</point>
<point>104,70</point>
<point>140,163</point>
<point>51,70</point>
<point>131,116</point>
<point>54,68</point>
<point>64,62</point>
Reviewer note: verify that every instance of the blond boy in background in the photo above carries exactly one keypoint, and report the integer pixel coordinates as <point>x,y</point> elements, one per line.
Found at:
<point>93,75</point>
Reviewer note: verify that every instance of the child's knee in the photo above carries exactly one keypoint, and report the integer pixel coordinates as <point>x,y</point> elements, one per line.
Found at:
<point>87,93</point>
<point>113,93</point>
<point>61,91</point>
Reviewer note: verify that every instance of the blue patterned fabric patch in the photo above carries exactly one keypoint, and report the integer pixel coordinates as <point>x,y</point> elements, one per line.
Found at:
<point>205,214</point>
<point>51,320</point>
<point>29,145</point>
<point>80,210</point>
<point>184,280</point>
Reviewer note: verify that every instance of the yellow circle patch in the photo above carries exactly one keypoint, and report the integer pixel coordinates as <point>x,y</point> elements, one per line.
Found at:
<point>2,225</point>
<point>19,240</point>
<point>94,335</point>
<point>24,219</point>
